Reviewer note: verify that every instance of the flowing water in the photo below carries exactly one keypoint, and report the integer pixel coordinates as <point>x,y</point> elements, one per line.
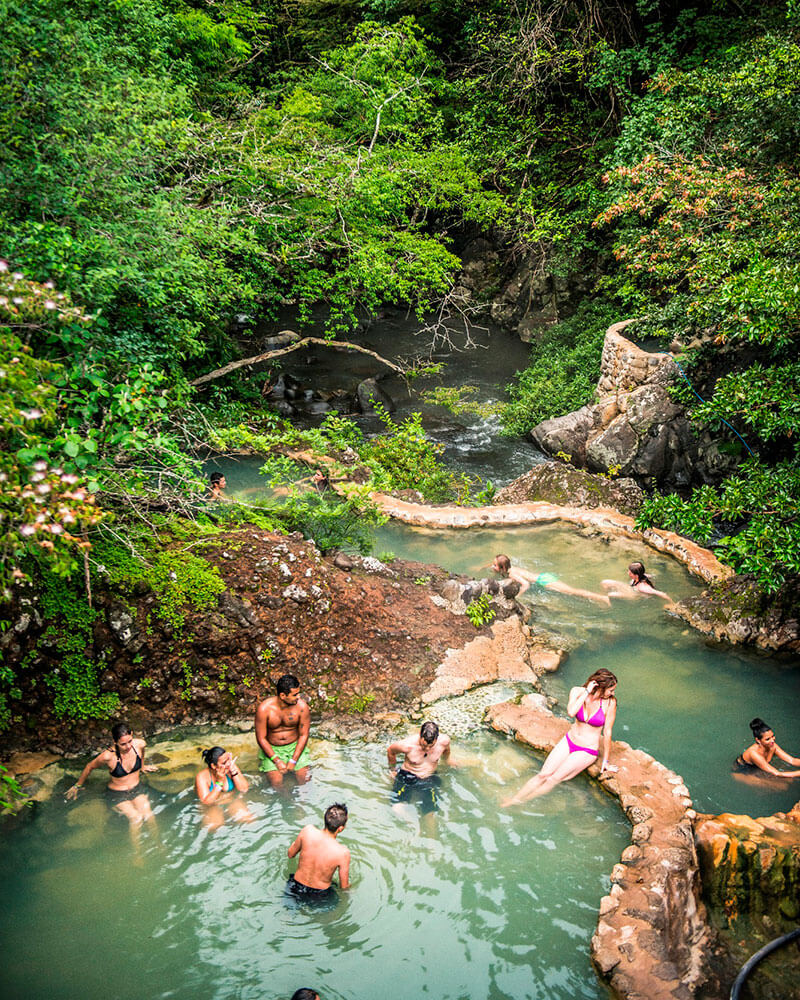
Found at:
<point>472,443</point>
<point>485,904</point>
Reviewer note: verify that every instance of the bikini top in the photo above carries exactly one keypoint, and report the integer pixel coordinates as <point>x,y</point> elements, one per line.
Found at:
<point>597,720</point>
<point>120,772</point>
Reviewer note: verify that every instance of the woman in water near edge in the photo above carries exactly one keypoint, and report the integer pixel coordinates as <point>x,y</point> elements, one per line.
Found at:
<point>216,781</point>
<point>125,762</point>
<point>759,754</point>
<point>594,708</point>
<point>502,564</point>
<point>638,583</point>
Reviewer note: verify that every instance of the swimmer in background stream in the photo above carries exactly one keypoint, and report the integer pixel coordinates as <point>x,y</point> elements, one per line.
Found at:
<point>638,583</point>
<point>502,565</point>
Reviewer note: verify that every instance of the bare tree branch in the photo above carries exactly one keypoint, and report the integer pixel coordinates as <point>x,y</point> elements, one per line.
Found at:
<point>269,355</point>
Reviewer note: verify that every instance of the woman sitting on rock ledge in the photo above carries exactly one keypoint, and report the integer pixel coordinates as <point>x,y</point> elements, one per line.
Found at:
<point>759,754</point>
<point>594,708</point>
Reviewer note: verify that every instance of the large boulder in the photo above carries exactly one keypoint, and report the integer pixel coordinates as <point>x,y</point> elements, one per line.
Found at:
<point>564,485</point>
<point>369,393</point>
<point>567,434</point>
<point>634,427</point>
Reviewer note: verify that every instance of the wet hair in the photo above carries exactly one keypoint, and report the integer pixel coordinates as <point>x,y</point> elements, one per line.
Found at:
<point>429,731</point>
<point>759,727</point>
<point>287,683</point>
<point>216,477</point>
<point>335,816</point>
<point>638,571</point>
<point>120,729</point>
<point>503,563</point>
<point>212,755</point>
<point>604,680</point>
<point>305,993</point>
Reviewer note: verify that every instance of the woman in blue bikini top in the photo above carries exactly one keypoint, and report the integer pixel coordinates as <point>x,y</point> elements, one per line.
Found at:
<point>594,708</point>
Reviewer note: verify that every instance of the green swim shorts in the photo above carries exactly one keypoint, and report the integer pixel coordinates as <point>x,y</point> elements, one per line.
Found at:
<point>545,579</point>
<point>285,753</point>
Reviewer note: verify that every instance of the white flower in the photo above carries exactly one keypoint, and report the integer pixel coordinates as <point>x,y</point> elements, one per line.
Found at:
<point>49,304</point>
<point>31,414</point>
<point>27,530</point>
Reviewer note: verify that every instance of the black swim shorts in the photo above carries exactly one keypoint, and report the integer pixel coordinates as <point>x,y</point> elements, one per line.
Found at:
<point>408,786</point>
<point>309,895</point>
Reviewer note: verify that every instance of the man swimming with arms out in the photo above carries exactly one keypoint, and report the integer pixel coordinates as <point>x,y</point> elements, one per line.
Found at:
<point>416,776</point>
<point>282,727</point>
<point>320,857</point>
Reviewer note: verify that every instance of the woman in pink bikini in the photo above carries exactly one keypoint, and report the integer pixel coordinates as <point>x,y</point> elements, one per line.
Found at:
<point>594,708</point>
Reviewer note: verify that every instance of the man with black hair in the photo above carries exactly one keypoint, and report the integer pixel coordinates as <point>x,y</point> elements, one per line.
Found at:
<point>320,857</point>
<point>305,993</point>
<point>282,727</point>
<point>416,776</point>
<point>216,484</point>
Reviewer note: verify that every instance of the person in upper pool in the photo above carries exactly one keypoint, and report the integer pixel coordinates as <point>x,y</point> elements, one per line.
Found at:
<point>638,583</point>
<point>594,708</point>
<point>502,565</point>
<point>125,762</point>
<point>758,755</point>
<point>213,784</point>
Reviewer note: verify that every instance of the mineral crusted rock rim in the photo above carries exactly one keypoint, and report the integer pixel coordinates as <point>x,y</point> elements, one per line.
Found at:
<point>651,931</point>
<point>699,561</point>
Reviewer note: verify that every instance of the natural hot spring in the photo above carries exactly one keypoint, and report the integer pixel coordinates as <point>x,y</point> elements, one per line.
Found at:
<point>494,905</point>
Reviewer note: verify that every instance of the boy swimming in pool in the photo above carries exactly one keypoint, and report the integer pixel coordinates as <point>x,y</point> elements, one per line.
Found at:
<point>320,856</point>
<point>502,565</point>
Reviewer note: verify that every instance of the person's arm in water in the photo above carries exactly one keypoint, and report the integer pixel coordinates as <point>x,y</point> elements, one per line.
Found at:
<point>344,870</point>
<point>446,758</point>
<point>608,725</point>
<point>785,757</point>
<point>294,848</point>
<point>262,715</point>
<point>391,752</point>
<point>101,758</point>
<point>141,748</point>
<point>304,728</point>
<point>757,758</point>
<point>523,581</point>
<point>646,588</point>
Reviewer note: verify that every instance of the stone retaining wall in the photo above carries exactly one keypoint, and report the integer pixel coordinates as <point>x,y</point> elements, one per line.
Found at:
<point>651,933</point>
<point>699,561</point>
<point>624,366</point>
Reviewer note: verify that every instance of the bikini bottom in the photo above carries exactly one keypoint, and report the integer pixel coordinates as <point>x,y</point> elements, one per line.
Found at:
<point>574,746</point>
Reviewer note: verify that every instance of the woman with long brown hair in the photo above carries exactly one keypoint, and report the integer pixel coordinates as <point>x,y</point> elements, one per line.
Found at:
<point>594,709</point>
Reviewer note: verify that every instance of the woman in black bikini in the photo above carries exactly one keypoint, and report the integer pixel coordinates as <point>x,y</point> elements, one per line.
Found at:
<point>758,755</point>
<point>125,762</point>
<point>638,583</point>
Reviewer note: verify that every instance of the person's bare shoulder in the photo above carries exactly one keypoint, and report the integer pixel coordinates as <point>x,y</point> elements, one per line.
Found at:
<point>445,740</point>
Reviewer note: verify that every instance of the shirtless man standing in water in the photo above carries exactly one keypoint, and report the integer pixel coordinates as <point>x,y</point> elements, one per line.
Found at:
<point>417,774</point>
<point>282,727</point>
<point>320,856</point>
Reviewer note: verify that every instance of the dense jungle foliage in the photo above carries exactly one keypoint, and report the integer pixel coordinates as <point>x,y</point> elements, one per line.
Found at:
<point>167,164</point>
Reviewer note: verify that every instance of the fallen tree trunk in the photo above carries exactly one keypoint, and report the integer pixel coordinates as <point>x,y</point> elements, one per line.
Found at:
<point>269,355</point>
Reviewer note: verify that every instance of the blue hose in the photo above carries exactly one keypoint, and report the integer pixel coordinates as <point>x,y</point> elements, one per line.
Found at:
<point>686,380</point>
<point>753,961</point>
